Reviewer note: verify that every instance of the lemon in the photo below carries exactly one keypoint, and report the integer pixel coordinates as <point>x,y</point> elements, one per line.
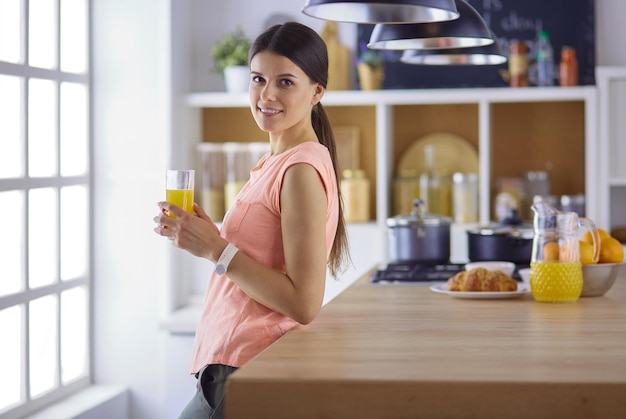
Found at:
<point>611,251</point>
<point>586,253</point>
<point>587,236</point>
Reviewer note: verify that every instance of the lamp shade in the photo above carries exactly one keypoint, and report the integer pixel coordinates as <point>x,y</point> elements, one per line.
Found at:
<point>486,55</point>
<point>379,11</point>
<point>469,30</point>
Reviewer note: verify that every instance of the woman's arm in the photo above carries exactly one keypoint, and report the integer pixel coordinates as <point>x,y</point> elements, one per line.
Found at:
<point>298,294</point>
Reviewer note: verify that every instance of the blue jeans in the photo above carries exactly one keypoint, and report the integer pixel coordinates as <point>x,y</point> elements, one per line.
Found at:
<point>208,402</point>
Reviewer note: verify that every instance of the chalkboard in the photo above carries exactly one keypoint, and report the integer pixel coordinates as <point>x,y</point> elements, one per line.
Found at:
<point>569,22</point>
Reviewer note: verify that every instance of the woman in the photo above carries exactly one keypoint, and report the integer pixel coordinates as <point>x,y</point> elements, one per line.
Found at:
<point>285,228</point>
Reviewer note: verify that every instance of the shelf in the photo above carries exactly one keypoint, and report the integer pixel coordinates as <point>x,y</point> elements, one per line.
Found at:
<point>513,129</point>
<point>412,97</point>
<point>618,181</point>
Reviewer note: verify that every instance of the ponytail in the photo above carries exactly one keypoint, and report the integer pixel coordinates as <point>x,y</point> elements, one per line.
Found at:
<point>339,254</point>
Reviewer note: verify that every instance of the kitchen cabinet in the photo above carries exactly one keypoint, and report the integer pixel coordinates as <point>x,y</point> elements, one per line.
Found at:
<point>611,147</point>
<point>513,131</point>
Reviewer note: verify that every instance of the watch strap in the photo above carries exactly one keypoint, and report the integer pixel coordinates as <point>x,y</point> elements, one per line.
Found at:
<point>221,267</point>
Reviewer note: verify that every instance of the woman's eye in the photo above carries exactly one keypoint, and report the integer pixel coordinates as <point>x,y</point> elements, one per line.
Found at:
<point>286,82</point>
<point>257,79</point>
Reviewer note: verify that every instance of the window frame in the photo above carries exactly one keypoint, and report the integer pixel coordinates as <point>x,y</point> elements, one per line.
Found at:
<point>25,72</point>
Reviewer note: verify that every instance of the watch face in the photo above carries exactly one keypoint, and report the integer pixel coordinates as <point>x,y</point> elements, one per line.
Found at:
<point>220,269</point>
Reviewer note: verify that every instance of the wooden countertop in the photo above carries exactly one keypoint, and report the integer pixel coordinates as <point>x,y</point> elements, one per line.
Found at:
<point>403,351</point>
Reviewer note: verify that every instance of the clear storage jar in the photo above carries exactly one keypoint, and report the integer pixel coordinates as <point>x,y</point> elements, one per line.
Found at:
<point>465,197</point>
<point>238,166</point>
<point>213,178</point>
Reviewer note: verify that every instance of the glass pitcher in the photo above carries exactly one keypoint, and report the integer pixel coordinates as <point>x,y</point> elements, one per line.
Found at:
<point>556,271</point>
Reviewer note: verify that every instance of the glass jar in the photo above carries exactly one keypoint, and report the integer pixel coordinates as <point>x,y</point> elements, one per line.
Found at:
<point>536,183</point>
<point>406,189</point>
<point>238,166</point>
<point>465,197</point>
<point>213,179</point>
<point>258,150</point>
<point>355,190</point>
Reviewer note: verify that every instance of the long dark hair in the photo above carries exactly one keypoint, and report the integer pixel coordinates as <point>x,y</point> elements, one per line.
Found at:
<point>305,48</point>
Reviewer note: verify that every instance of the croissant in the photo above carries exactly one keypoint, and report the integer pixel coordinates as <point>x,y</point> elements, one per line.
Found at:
<point>481,279</point>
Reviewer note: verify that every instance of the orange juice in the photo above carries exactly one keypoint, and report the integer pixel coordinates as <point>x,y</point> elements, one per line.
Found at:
<point>182,198</point>
<point>556,282</point>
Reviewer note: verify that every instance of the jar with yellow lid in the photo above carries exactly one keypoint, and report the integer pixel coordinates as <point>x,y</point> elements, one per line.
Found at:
<point>355,190</point>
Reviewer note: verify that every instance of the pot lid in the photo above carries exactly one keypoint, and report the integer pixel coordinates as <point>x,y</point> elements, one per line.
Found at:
<point>511,225</point>
<point>418,218</point>
<point>523,231</point>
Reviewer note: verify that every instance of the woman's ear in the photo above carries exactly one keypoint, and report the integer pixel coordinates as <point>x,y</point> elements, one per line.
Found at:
<point>318,94</point>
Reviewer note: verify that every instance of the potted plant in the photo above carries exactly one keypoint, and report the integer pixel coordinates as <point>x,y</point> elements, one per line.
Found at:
<point>230,57</point>
<point>371,68</point>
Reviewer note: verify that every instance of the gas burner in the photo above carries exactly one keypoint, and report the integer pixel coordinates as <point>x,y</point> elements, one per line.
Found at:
<point>415,272</point>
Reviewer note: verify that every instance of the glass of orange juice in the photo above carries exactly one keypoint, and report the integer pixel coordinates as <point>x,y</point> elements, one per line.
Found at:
<point>179,187</point>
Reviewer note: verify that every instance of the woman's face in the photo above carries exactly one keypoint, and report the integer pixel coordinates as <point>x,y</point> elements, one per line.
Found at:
<point>281,94</point>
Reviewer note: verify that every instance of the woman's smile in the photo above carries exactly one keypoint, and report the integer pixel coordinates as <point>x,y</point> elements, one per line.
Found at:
<point>269,111</point>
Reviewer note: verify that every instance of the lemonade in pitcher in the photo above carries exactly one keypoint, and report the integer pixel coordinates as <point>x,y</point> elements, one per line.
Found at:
<point>556,281</point>
<point>556,272</point>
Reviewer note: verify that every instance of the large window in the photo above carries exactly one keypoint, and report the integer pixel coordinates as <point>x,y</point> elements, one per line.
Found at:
<point>45,202</point>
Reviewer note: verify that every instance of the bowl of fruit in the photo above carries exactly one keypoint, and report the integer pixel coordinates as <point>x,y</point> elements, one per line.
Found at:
<point>599,277</point>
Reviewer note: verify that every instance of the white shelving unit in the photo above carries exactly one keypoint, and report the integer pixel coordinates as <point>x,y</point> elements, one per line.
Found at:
<point>369,240</point>
<point>612,146</point>
<point>385,100</point>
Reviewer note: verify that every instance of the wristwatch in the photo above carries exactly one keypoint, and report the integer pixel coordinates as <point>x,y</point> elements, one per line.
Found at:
<point>221,267</point>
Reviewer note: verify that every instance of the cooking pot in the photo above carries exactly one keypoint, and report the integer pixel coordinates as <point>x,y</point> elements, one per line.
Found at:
<point>419,237</point>
<point>511,240</point>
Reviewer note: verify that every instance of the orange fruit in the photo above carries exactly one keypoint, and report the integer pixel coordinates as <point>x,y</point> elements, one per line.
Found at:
<point>587,236</point>
<point>569,251</point>
<point>611,251</point>
<point>586,253</point>
<point>551,252</point>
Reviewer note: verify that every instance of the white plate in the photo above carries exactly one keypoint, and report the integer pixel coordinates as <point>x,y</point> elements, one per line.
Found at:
<point>442,288</point>
<point>452,153</point>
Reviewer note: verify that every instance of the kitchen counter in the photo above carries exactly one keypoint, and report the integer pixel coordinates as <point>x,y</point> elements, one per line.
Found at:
<point>403,351</point>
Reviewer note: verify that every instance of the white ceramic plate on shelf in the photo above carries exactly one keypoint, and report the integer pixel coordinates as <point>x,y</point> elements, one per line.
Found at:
<point>452,153</point>
<point>442,288</point>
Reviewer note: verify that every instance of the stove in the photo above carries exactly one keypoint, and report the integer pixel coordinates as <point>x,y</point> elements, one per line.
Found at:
<point>417,272</point>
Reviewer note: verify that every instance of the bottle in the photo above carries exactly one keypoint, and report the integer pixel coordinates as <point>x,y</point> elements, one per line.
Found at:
<point>568,67</point>
<point>355,190</point>
<point>427,194</point>
<point>545,60</point>
<point>518,64</point>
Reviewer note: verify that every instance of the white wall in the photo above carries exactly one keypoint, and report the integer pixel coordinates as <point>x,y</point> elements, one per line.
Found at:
<point>253,17</point>
<point>136,82</point>
<point>131,133</point>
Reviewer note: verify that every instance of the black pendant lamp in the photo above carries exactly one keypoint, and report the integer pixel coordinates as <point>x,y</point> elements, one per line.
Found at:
<point>469,30</point>
<point>486,55</point>
<point>381,11</point>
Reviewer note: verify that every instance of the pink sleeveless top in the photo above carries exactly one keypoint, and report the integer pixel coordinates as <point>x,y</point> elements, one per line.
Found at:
<point>233,328</point>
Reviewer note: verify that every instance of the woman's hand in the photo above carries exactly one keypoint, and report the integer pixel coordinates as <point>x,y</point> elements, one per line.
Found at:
<point>195,233</point>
